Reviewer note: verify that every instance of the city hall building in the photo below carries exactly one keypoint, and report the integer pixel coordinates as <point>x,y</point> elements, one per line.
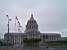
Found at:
<point>31,31</point>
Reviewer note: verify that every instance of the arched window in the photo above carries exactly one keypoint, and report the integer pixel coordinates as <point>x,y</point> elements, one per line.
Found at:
<point>46,36</point>
<point>43,36</point>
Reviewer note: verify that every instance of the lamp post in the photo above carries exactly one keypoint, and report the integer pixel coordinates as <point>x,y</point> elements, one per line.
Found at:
<point>8,22</point>
<point>8,31</point>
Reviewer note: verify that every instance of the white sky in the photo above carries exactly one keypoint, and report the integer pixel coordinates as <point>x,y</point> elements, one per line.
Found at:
<point>51,15</point>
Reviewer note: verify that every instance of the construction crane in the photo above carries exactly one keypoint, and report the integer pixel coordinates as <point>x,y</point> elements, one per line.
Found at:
<point>17,24</point>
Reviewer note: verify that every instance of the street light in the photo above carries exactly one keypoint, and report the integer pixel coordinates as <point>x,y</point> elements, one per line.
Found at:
<point>8,22</point>
<point>8,31</point>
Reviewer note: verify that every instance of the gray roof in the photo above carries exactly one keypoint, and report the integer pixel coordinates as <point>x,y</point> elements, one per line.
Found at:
<point>16,34</point>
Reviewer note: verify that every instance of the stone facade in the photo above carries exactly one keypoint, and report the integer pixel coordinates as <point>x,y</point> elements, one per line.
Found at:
<point>31,31</point>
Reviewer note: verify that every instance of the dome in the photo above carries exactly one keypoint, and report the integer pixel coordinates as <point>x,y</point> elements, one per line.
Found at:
<point>31,24</point>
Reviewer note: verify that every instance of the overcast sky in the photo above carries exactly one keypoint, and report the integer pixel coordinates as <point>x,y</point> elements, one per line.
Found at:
<point>51,15</point>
